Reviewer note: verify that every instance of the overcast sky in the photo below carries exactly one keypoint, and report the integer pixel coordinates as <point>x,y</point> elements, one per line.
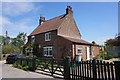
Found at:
<point>96,21</point>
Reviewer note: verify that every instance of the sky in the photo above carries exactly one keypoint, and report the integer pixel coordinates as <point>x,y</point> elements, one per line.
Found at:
<point>96,21</point>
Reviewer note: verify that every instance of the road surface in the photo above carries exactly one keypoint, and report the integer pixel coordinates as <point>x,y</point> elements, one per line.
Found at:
<point>10,72</point>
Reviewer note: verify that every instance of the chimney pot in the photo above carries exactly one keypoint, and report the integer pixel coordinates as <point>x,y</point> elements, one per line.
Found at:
<point>69,10</point>
<point>41,20</point>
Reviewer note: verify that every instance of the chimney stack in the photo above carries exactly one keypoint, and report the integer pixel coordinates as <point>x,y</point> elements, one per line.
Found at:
<point>69,10</point>
<point>41,20</point>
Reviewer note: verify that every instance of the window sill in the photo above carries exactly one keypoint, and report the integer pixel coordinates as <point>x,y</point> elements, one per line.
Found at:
<point>48,55</point>
<point>47,40</point>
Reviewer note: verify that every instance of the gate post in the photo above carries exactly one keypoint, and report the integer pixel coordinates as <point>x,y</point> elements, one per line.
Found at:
<point>94,69</point>
<point>66,68</point>
<point>117,69</point>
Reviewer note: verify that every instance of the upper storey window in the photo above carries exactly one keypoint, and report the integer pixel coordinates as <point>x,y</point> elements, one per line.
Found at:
<point>48,36</point>
<point>32,39</point>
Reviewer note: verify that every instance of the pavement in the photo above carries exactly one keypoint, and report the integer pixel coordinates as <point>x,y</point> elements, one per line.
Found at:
<point>7,71</point>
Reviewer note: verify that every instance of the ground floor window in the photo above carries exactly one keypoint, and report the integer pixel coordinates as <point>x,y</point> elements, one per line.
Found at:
<point>29,51</point>
<point>79,50</point>
<point>47,51</point>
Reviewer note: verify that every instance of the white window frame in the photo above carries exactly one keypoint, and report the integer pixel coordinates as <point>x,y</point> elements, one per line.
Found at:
<point>29,50</point>
<point>32,39</point>
<point>48,36</point>
<point>78,51</point>
<point>46,51</point>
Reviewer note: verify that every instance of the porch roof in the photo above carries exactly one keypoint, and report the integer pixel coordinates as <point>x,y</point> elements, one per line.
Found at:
<point>77,41</point>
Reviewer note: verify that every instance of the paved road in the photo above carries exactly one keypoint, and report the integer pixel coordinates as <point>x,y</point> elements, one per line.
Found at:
<point>10,72</point>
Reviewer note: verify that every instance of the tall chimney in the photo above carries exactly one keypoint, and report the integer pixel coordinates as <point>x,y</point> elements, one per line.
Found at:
<point>69,10</point>
<point>41,20</point>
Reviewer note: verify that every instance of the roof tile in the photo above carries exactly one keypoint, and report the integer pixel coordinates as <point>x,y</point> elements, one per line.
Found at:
<point>79,41</point>
<point>49,25</point>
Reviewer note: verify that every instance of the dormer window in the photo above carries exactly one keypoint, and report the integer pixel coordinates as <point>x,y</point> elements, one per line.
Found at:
<point>32,39</point>
<point>48,36</point>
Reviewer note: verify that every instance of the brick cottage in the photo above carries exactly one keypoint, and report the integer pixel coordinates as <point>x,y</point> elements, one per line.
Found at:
<point>60,37</point>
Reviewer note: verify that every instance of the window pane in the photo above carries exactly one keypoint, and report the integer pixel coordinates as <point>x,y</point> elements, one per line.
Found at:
<point>48,36</point>
<point>50,51</point>
<point>33,39</point>
<point>79,50</point>
<point>47,51</point>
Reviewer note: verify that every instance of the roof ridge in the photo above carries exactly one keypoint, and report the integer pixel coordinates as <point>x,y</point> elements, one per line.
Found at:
<point>56,17</point>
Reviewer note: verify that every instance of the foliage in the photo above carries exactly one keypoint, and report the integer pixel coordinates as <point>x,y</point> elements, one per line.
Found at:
<point>19,41</point>
<point>34,48</point>
<point>9,48</point>
<point>112,46</point>
<point>23,67</point>
<point>4,40</point>
<point>114,42</point>
<point>107,57</point>
<point>104,56</point>
<point>1,39</point>
<point>12,45</point>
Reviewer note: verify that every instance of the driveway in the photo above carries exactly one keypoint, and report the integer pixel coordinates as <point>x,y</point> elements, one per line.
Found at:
<point>10,72</point>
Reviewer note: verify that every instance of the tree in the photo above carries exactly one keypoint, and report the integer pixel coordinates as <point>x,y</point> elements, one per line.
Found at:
<point>19,41</point>
<point>4,40</point>
<point>112,46</point>
<point>114,42</point>
<point>10,48</point>
<point>12,45</point>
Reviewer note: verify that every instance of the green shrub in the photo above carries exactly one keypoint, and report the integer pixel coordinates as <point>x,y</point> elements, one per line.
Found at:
<point>23,66</point>
<point>104,56</point>
<point>107,57</point>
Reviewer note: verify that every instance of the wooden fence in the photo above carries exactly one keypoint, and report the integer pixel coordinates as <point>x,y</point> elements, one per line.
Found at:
<point>84,70</point>
<point>93,70</point>
<point>49,65</point>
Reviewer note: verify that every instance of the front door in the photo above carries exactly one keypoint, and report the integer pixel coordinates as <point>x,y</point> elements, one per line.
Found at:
<point>87,53</point>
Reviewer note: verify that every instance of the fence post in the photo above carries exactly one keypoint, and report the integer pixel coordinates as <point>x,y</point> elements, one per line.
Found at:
<point>117,69</point>
<point>52,67</point>
<point>66,68</point>
<point>33,64</point>
<point>94,69</point>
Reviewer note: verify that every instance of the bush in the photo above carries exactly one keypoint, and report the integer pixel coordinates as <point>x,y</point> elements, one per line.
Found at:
<point>23,67</point>
<point>107,57</point>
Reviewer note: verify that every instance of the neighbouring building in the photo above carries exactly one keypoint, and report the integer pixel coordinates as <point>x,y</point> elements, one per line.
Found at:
<point>60,37</point>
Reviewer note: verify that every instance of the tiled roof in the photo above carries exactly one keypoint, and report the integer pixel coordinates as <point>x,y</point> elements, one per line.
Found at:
<point>79,41</point>
<point>49,25</point>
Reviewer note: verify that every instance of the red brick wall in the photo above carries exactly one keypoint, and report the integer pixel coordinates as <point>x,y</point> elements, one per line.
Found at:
<point>61,46</point>
<point>75,50</point>
<point>83,50</point>
<point>96,51</point>
<point>69,28</point>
